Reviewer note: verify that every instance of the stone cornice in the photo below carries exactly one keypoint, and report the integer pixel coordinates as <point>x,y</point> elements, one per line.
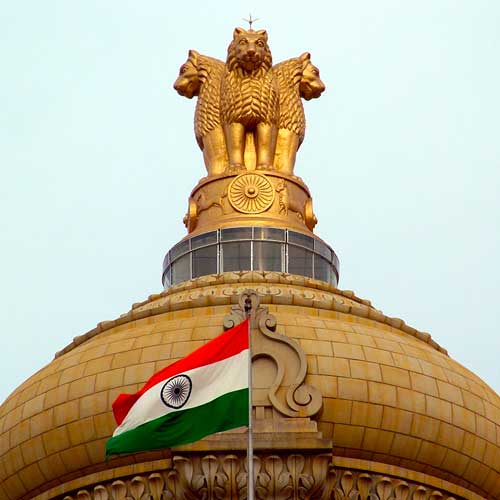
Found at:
<point>276,288</point>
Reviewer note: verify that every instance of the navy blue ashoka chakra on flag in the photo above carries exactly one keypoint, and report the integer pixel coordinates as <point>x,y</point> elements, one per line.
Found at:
<point>176,391</point>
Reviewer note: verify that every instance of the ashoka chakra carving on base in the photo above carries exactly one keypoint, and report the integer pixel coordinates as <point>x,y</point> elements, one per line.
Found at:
<point>251,193</point>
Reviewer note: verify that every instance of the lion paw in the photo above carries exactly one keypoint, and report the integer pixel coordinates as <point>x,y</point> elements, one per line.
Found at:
<point>264,167</point>
<point>235,167</point>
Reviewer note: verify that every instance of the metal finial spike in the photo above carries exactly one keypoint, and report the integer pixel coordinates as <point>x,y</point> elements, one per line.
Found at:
<point>250,20</point>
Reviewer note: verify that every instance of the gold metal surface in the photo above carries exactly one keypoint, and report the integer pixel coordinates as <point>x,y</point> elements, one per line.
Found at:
<point>297,78</point>
<point>249,117</point>
<point>249,99</point>
<point>251,193</point>
<point>250,198</point>
<point>249,113</point>
<point>201,76</point>
<point>191,218</point>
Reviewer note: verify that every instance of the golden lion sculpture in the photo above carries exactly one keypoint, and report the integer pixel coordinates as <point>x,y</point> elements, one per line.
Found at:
<point>201,76</point>
<point>249,99</point>
<point>297,79</point>
<point>249,113</point>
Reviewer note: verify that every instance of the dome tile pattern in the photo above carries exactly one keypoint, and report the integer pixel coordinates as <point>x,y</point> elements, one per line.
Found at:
<point>388,396</point>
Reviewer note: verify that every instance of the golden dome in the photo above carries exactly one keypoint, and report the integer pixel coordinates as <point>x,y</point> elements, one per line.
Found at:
<point>393,402</point>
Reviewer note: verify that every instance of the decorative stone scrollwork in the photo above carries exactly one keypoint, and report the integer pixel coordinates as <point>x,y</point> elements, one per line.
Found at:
<point>287,392</point>
<point>207,477</point>
<point>352,484</point>
<point>277,477</point>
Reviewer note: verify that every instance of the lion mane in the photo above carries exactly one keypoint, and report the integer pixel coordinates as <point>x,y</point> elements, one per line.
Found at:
<point>233,63</point>
<point>292,116</point>
<point>249,97</point>
<point>207,112</point>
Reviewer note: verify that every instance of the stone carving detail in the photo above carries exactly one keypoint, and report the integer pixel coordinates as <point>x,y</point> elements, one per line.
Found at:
<point>295,399</point>
<point>214,477</point>
<point>277,477</point>
<point>352,484</point>
<point>251,193</point>
<point>222,289</point>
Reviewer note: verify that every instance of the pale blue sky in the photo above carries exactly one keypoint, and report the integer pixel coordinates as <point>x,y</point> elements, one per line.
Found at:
<point>97,156</point>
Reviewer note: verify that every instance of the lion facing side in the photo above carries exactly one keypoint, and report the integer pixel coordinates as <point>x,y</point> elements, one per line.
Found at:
<point>201,76</point>
<point>249,98</point>
<point>297,79</point>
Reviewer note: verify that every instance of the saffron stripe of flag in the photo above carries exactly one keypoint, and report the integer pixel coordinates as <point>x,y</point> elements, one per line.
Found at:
<point>203,393</point>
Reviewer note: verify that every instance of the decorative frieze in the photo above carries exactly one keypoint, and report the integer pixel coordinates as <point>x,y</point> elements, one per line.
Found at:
<point>277,477</point>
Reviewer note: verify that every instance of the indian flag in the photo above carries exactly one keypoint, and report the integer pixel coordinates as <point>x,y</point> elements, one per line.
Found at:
<point>203,393</point>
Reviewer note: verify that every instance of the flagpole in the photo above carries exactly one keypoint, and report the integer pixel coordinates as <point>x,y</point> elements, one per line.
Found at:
<point>250,481</point>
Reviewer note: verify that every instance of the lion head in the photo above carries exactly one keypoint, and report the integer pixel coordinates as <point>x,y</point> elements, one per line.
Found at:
<point>188,83</point>
<point>249,51</point>
<point>311,86</point>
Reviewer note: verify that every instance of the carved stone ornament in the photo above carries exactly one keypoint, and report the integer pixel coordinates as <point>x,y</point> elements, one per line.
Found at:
<point>277,477</point>
<point>285,390</point>
<point>251,193</point>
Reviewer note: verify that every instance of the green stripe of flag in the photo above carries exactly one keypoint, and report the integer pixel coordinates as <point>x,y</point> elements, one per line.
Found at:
<point>184,426</point>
